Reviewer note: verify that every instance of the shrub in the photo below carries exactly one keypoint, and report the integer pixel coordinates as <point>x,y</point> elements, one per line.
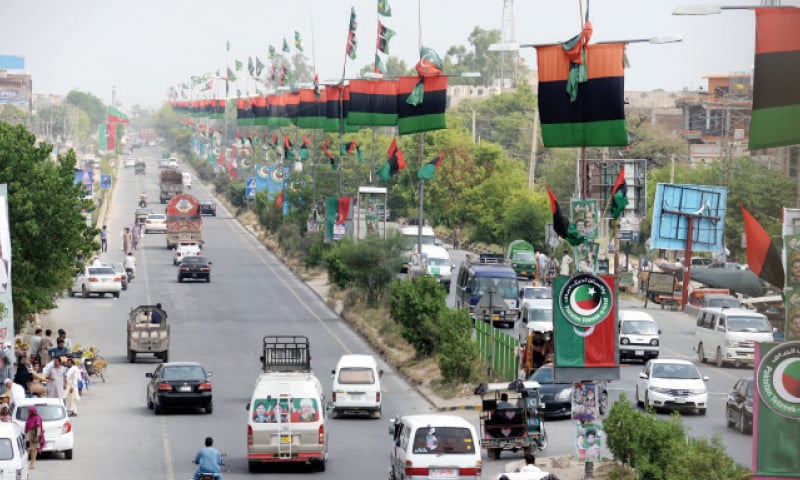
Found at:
<point>457,350</point>
<point>417,305</point>
<point>370,264</point>
<point>338,272</point>
<point>316,248</point>
<point>235,190</point>
<point>289,237</point>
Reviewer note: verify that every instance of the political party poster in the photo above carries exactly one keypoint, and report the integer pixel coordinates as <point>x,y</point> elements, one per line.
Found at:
<point>588,442</point>
<point>584,214</point>
<point>7,315</point>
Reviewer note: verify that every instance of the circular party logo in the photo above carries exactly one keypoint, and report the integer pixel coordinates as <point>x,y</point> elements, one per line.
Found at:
<point>778,379</point>
<point>585,300</point>
<point>263,171</point>
<point>278,174</point>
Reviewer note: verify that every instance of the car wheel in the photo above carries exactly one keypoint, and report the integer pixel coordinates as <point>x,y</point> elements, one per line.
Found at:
<point>740,423</point>
<point>84,293</point>
<point>252,467</point>
<point>68,454</point>
<point>646,400</point>
<point>157,409</point>
<point>321,466</point>
<point>116,294</point>
<point>701,411</point>
<point>165,357</point>
<point>131,356</point>
<point>701,354</point>
<point>639,403</point>
<point>208,279</point>
<point>209,408</point>
<point>71,293</point>
<point>149,402</point>
<point>718,361</point>
<point>495,453</point>
<point>180,280</point>
<point>729,417</point>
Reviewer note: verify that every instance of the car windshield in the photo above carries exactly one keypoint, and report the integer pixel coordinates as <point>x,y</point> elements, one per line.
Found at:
<point>194,261</point>
<point>505,287</point>
<point>750,387</point>
<point>185,372</point>
<point>356,376</point>
<point>522,257</point>
<point>437,262</point>
<point>537,293</point>
<point>722,302</point>
<point>748,324</point>
<point>157,217</point>
<point>543,375</point>
<point>48,413</point>
<point>439,440</point>
<point>117,267</point>
<point>101,271</point>
<point>639,327</point>
<point>540,315</point>
<point>675,370</point>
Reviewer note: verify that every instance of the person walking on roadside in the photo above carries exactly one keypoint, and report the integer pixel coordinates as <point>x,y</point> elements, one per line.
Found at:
<point>55,378</point>
<point>127,239</point>
<point>17,392</point>
<point>62,334</point>
<point>72,388</point>
<point>45,344</point>
<point>34,342</point>
<point>566,261</point>
<point>34,435</point>
<point>104,239</point>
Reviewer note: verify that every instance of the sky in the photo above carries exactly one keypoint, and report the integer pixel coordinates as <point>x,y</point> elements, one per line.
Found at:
<point>143,47</point>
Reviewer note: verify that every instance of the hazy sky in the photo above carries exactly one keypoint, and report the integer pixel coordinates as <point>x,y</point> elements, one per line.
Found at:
<point>143,47</point>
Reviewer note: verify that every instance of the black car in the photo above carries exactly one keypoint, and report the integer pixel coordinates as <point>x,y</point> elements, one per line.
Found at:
<point>739,407</point>
<point>179,384</point>
<point>194,268</point>
<point>208,207</point>
<point>557,397</point>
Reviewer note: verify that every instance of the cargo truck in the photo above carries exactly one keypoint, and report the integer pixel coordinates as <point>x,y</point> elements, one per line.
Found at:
<point>184,223</point>
<point>171,184</point>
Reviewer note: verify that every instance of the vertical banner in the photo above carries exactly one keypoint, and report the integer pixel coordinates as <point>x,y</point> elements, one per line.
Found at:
<point>7,319</point>
<point>584,214</point>
<point>583,321</point>
<point>586,257</point>
<point>791,261</point>
<point>776,411</point>
<point>588,441</point>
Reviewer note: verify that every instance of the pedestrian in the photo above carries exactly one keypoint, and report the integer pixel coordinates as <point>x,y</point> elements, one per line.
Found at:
<point>59,350</point>
<point>552,269</point>
<point>34,342</point>
<point>566,261</point>
<point>45,344</point>
<point>5,372</point>
<point>126,239</point>
<point>136,236</point>
<point>34,435</point>
<point>457,237</point>
<point>55,372</point>
<point>62,334</point>
<point>17,392</point>
<point>104,239</point>
<point>72,388</point>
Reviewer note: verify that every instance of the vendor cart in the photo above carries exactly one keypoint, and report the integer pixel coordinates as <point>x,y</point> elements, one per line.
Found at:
<point>516,423</point>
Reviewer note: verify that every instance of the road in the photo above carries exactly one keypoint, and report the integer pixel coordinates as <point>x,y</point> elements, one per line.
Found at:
<point>221,325</point>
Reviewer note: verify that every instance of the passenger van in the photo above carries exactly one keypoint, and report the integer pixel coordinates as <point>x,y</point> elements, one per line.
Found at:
<point>476,275</point>
<point>728,335</point>
<point>186,178</point>
<point>434,446</point>
<point>356,386</point>
<point>411,238</point>
<point>13,454</point>
<point>286,420</point>
<point>536,316</point>
<point>638,336</point>
<point>436,264</point>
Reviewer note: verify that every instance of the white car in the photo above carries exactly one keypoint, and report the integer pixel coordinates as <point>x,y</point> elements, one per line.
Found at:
<point>57,425</point>
<point>172,162</point>
<point>130,162</point>
<point>185,249</point>
<point>99,280</point>
<point>672,384</point>
<point>155,222</point>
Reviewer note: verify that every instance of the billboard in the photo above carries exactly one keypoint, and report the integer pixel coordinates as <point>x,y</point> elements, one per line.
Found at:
<point>12,62</point>
<point>675,204</point>
<point>7,319</point>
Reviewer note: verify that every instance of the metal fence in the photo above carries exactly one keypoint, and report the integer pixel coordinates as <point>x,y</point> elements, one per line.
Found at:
<point>505,364</point>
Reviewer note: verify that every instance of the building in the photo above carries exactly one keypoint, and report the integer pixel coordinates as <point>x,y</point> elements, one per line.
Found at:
<point>16,87</point>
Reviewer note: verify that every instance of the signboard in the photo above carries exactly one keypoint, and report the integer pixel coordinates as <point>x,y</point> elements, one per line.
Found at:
<point>7,319</point>
<point>675,204</point>
<point>658,282</point>
<point>105,180</point>
<point>85,177</point>
<point>250,188</point>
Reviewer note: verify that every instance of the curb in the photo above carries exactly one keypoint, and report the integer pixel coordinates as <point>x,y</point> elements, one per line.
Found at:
<point>458,407</point>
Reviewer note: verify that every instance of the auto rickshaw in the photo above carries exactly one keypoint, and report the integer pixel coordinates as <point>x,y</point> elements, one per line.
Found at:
<point>511,417</point>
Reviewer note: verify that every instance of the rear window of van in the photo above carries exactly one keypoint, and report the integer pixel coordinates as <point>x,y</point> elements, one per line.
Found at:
<point>439,440</point>
<point>356,376</point>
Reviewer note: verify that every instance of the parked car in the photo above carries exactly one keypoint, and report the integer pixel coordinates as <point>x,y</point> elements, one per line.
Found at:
<point>119,268</point>
<point>557,397</point>
<point>672,384</point>
<point>183,250</point>
<point>720,300</point>
<point>55,422</point>
<point>208,207</point>
<point>15,454</point>
<point>739,407</point>
<point>179,384</point>
<point>99,280</point>
<point>729,265</point>
<point>194,268</point>
<point>156,222</point>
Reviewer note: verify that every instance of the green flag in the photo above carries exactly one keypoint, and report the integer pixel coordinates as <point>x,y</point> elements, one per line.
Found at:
<point>384,9</point>
<point>417,94</point>
<point>379,65</point>
<point>619,195</point>
<point>298,41</point>
<point>271,51</point>
<point>429,169</point>
<point>238,65</point>
<point>285,46</point>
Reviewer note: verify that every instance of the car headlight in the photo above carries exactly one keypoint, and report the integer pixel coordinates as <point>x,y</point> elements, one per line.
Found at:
<point>654,342</point>
<point>730,344</point>
<point>699,391</point>
<point>564,394</point>
<point>624,341</point>
<point>660,390</point>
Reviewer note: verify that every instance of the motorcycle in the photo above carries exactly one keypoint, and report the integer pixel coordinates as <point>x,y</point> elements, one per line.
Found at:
<point>131,272</point>
<point>212,476</point>
<point>143,200</point>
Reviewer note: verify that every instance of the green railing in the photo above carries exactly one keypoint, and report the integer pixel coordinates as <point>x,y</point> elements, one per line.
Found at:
<point>505,365</point>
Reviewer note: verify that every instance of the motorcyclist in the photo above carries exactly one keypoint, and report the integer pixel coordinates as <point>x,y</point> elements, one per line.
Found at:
<point>130,265</point>
<point>208,461</point>
<point>143,200</point>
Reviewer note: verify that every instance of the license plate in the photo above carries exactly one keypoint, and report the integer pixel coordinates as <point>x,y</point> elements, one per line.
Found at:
<point>444,473</point>
<point>750,355</point>
<point>639,353</point>
<point>435,270</point>
<point>194,275</point>
<point>184,388</point>
<point>286,439</point>
<point>679,400</point>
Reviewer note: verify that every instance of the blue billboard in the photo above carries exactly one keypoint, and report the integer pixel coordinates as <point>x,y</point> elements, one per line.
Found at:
<point>12,62</point>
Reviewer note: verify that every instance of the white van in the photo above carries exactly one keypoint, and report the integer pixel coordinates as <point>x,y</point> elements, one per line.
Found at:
<point>728,335</point>
<point>437,263</point>
<point>638,336</point>
<point>410,236</point>
<point>187,179</point>
<point>13,454</point>
<point>286,420</point>
<point>356,386</point>
<point>536,316</point>
<point>434,446</point>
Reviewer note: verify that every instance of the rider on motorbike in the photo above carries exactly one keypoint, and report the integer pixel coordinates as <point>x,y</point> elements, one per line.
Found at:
<point>143,200</point>
<point>208,461</point>
<point>130,265</point>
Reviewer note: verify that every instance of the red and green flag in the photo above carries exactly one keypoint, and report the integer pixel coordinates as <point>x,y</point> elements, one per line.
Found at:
<point>311,111</point>
<point>298,42</point>
<point>561,224</point>
<point>285,46</point>
<point>326,150</point>
<point>231,76</point>
<point>384,35</point>
<point>303,150</point>
<point>394,164</point>
<point>775,117</point>
<point>287,144</point>
<point>762,257</point>
<point>596,116</point>
<point>619,195</point>
<point>116,116</point>
<point>373,102</point>
<point>351,35</point>
<point>583,322</point>
<point>429,169</point>
<point>422,114</point>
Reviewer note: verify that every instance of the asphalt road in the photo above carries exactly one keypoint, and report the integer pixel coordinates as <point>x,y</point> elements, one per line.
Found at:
<point>221,324</point>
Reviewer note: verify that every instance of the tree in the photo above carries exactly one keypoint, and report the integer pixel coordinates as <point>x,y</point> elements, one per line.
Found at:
<point>14,115</point>
<point>47,229</point>
<point>93,106</point>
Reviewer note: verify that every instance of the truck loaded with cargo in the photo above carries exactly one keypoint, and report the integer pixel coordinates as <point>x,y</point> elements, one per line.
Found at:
<point>171,184</point>
<point>522,257</point>
<point>184,223</point>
